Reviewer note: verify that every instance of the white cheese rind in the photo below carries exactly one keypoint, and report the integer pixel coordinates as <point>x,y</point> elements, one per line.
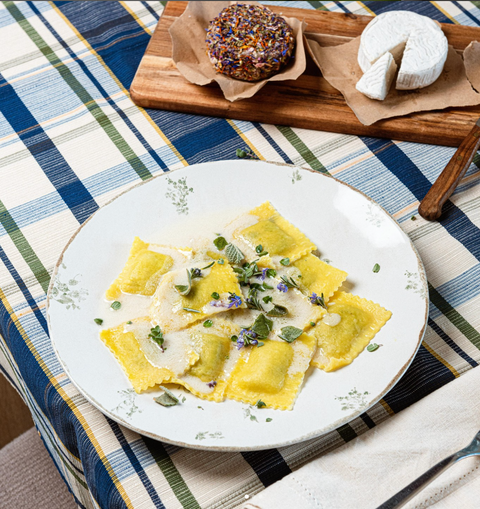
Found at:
<point>419,39</point>
<point>376,82</point>
<point>423,59</point>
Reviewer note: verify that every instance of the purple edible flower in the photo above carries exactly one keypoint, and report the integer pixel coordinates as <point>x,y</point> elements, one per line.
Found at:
<point>282,287</point>
<point>235,300</point>
<point>212,384</point>
<point>313,298</point>
<point>264,274</point>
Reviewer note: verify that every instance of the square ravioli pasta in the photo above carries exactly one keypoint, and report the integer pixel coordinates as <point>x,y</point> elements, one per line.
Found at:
<point>264,226</point>
<point>173,311</point>
<point>207,377</point>
<point>338,345</point>
<point>315,276</point>
<point>141,373</point>
<point>146,265</point>
<point>272,373</point>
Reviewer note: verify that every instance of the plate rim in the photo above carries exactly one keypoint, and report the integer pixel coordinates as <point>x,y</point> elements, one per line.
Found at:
<point>309,436</point>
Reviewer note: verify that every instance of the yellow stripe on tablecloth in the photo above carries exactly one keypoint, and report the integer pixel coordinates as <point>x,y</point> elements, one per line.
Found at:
<point>386,406</point>
<point>119,84</point>
<point>67,399</point>
<point>135,17</point>
<point>440,359</point>
<point>443,11</point>
<point>244,138</point>
<point>366,8</point>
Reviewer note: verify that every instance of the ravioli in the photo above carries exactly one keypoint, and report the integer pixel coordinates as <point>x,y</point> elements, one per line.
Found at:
<point>138,369</point>
<point>266,227</point>
<point>317,276</point>
<point>145,267</point>
<point>272,373</point>
<point>360,320</point>
<point>217,355</point>
<point>173,311</point>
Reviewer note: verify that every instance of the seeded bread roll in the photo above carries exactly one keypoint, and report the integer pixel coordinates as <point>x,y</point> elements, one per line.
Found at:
<point>249,42</point>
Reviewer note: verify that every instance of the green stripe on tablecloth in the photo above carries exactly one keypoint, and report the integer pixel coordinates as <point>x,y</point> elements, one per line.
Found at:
<point>302,149</point>
<point>454,316</point>
<point>172,475</point>
<point>318,5</point>
<point>81,93</point>
<point>21,243</point>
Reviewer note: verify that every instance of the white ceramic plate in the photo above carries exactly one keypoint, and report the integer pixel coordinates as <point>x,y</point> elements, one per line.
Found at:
<point>349,229</point>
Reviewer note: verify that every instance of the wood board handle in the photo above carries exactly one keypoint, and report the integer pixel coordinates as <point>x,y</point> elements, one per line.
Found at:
<point>431,206</point>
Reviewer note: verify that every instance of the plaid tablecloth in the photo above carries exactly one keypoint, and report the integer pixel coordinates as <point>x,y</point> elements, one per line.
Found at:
<point>71,139</point>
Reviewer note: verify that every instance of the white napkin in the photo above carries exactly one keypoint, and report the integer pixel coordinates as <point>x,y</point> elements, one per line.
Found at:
<point>371,468</point>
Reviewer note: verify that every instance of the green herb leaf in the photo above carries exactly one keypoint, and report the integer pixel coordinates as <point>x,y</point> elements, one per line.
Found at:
<point>98,321</point>
<point>259,248</point>
<point>260,404</point>
<point>129,322</point>
<point>373,347</point>
<point>313,324</point>
<point>220,243</point>
<point>215,296</point>
<point>271,273</point>
<point>319,301</point>
<point>208,266</point>
<point>268,419</point>
<point>376,268</point>
<point>240,153</point>
<point>192,310</point>
<point>157,335</point>
<point>278,311</point>
<point>267,299</point>
<point>285,261</point>
<point>234,255</point>
<point>116,305</point>
<point>413,218</point>
<point>262,326</point>
<point>290,333</point>
<point>234,338</point>
<point>207,323</point>
<point>167,398</point>
<point>288,282</point>
<point>260,343</point>
<point>185,289</point>
<point>221,261</point>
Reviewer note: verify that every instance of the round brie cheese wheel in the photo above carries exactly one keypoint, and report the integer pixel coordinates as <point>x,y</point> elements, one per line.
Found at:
<point>415,40</point>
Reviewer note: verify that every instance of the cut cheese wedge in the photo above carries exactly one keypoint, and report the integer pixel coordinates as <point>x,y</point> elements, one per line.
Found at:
<point>376,82</point>
<point>418,39</point>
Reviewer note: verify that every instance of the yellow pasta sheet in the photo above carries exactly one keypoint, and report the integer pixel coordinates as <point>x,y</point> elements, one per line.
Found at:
<point>272,373</point>
<point>266,227</point>
<point>125,348</point>
<point>360,320</point>
<point>207,377</point>
<point>317,276</point>
<point>145,267</point>
<point>173,311</point>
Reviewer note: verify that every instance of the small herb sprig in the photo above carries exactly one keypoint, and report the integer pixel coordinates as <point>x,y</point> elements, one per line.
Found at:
<point>191,274</point>
<point>318,300</point>
<point>289,282</point>
<point>246,153</point>
<point>290,333</point>
<point>157,335</point>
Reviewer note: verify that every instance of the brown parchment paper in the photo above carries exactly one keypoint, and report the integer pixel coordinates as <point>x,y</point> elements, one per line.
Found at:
<point>190,56</point>
<point>340,68</point>
<point>471,58</point>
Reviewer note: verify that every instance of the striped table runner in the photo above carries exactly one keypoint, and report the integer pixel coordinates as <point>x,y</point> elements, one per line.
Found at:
<point>71,139</point>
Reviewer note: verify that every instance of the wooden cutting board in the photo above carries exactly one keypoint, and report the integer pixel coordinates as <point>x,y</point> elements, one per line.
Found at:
<point>308,102</point>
